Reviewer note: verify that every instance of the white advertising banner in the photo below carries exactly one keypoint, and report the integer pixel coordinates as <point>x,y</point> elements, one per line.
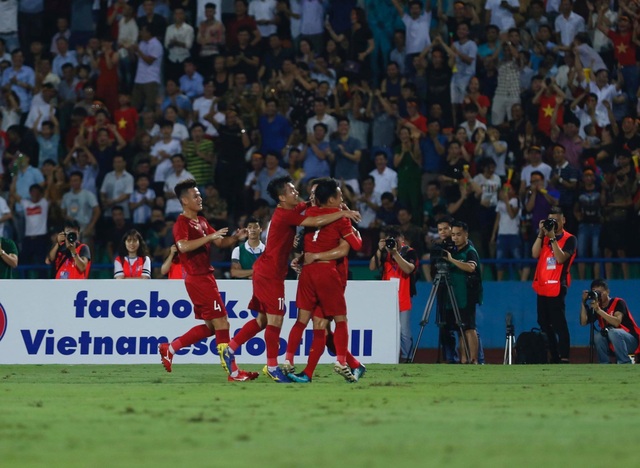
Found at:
<point>122,322</point>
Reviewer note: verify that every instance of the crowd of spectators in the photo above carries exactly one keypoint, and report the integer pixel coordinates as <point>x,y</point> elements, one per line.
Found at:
<point>490,112</point>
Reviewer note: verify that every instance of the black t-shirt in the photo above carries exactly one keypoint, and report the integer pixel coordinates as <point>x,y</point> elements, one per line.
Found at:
<point>243,67</point>
<point>230,148</point>
<point>627,321</point>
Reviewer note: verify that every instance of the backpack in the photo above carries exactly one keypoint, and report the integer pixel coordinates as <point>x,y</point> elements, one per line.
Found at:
<point>532,347</point>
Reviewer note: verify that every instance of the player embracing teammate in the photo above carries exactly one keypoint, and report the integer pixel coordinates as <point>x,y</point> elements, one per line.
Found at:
<point>269,274</point>
<point>321,286</point>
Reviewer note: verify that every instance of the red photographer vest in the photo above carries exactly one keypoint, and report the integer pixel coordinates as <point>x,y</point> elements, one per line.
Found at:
<point>610,310</point>
<point>548,276</point>
<point>132,270</point>
<point>66,266</point>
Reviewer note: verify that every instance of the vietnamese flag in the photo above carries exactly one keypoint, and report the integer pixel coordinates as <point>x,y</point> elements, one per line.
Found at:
<point>126,121</point>
<point>545,112</point>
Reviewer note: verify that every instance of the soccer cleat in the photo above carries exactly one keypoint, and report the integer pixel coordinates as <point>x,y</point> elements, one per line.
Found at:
<point>226,357</point>
<point>243,376</point>
<point>288,368</point>
<point>344,371</point>
<point>358,372</point>
<point>165,356</point>
<point>276,375</point>
<point>299,378</point>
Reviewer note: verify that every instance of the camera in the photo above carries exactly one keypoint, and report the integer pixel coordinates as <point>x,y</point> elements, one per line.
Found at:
<point>550,224</point>
<point>439,251</point>
<point>72,237</point>
<point>590,302</point>
<point>390,243</point>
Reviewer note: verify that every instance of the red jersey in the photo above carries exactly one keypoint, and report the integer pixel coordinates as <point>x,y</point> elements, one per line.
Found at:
<point>328,237</point>
<point>545,112</point>
<point>196,262</point>
<point>274,261</point>
<point>624,49</point>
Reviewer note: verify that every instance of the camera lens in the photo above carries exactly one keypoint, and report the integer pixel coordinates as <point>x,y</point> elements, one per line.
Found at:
<point>390,243</point>
<point>72,237</point>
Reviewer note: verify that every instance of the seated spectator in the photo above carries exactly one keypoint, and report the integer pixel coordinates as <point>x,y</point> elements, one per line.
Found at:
<point>133,260</point>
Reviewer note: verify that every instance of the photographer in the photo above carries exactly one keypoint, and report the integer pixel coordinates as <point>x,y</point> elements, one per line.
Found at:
<point>555,250</point>
<point>466,283</point>
<point>618,331</point>
<point>70,258</point>
<point>398,260</point>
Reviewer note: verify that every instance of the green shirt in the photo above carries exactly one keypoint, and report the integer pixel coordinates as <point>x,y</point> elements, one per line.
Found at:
<point>202,170</point>
<point>6,272</point>
<point>459,278</point>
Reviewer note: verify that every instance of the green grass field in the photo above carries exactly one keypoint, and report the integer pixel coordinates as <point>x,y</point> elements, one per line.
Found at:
<point>411,415</point>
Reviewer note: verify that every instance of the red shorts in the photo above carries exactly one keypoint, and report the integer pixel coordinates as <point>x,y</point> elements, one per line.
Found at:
<point>268,295</point>
<point>320,290</point>
<point>203,292</point>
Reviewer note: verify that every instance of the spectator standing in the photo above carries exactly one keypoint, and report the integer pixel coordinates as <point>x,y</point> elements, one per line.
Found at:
<point>178,41</point>
<point>149,52</point>
<point>141,201</point>
<point>9,24</point>
<point>117,187</point>
<point>211,38</point>
<point>345,154</point>
<point>198,153</point>
<point>272,171</point>
<point>417,25</point>
<point>155,24</point>
<point>177,174</point>
<point>20,79</point>
<point>36,240</point>
<point>407,160</point>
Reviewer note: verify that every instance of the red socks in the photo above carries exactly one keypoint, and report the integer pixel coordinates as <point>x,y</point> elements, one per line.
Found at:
<point>341,340</point>
<point>295,337</point>
<point>317,348</point>
<point>272,339</point>
<point>222,336</point>
<point>197,333</point>
<point>248,331</point>
<point>351,361</point>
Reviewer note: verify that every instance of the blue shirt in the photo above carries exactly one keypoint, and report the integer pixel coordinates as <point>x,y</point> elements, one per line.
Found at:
<point>263,182</point>
<point>431,160</point>
<point>48,148</point>
<point>59,61</point>
<point>346,168</point>
<point>25,75</point>
<point>313,166</point>
<point>193,87</point>
<point>24,181</point>
<point>275,134</point>
<point>182,103</point>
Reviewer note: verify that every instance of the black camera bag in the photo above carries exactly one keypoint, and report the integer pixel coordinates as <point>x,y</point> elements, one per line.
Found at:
<point>532,347</point>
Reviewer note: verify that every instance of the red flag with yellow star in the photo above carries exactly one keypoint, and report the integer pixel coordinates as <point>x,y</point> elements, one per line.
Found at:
<point>624,49</point>
<point>545,112</point>
<point>126,121</point>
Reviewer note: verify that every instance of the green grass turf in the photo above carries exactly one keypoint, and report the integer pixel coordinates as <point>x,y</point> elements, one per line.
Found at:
<point>410,415</point>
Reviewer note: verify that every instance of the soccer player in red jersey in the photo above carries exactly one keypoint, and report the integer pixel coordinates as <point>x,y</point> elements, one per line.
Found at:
<point>270,270</point>
<point>321,286</point>
<point>194,236</point>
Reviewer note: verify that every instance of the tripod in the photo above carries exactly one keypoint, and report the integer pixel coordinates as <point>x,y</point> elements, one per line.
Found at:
<point>511,341</point>
<point>441,280</point>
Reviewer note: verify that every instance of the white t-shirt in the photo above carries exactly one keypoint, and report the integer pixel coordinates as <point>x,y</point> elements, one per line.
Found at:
<point>180,132</point>
<point>36,216</point>
<point>9,17</point>
<point>501,17</point>
<point>202,106</point>
<point>264,10</point>
<point>490,188</point>
<point>141,214</point>
<point>506,224</point>
<point>525,175</point>
<point>173,204</point>
<point>417,32</point>
<point>171,148</point>
<point>385,182</point>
